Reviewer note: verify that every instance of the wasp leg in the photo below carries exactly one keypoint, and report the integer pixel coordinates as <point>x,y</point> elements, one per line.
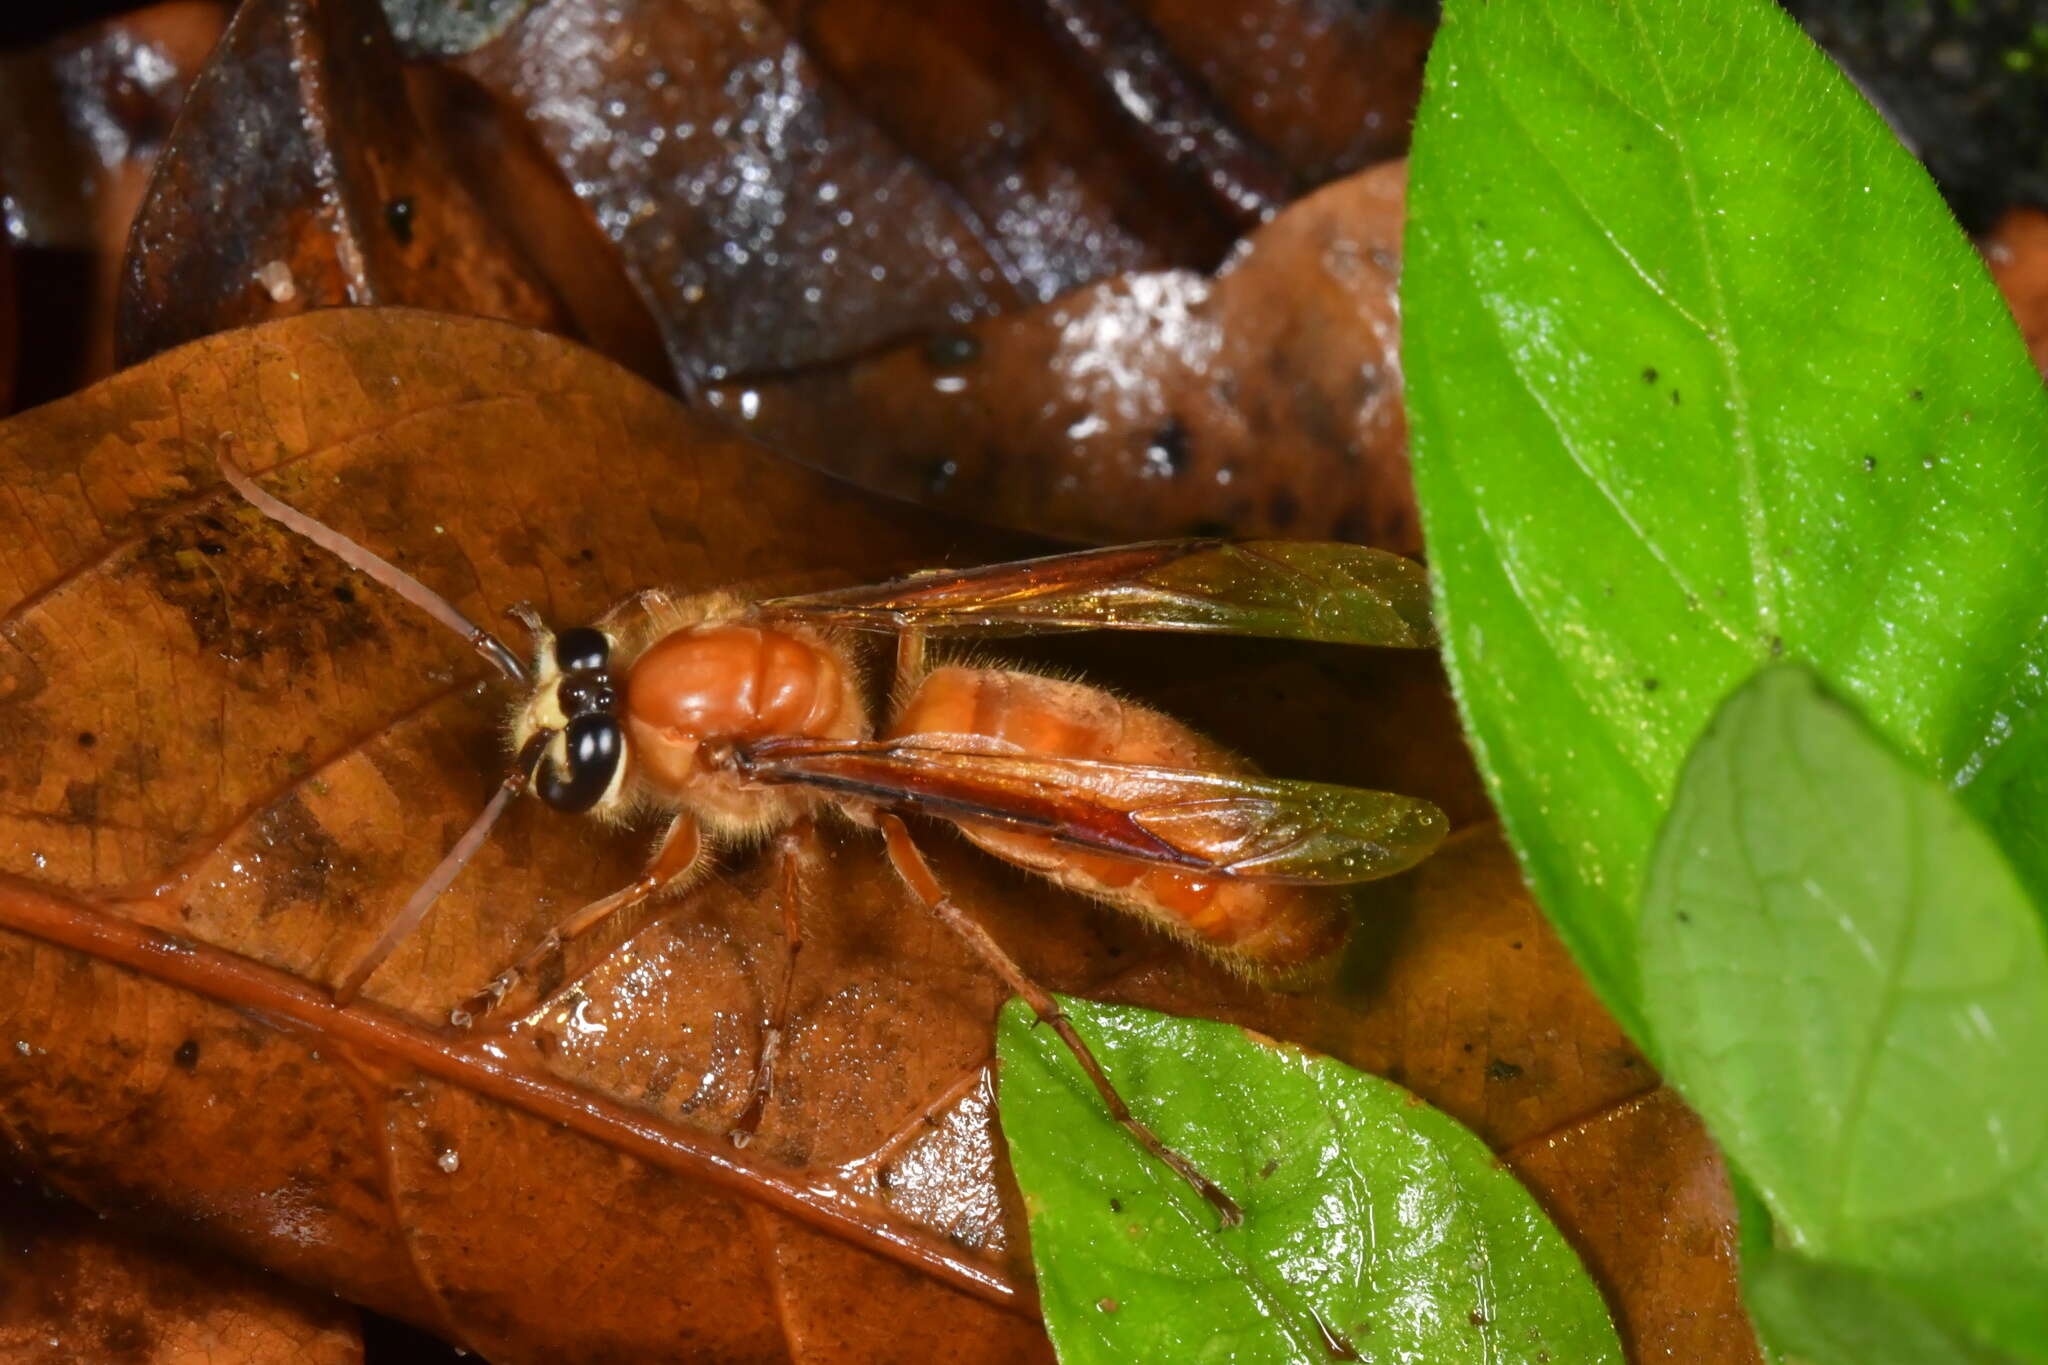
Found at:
<point>910,864</point>
<point>793,847</point>
<point>538,975</point>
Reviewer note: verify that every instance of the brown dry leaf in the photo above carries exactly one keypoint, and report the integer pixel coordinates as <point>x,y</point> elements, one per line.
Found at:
<point>1060,180</point>
<point>82,121</point>
<point>2017,252</point>
<point>1264,401</point>
<point>224,761</point>
<point>767,221</point>
<point>74,1288</point>
<point>1329,85</point>
<point>1644,1193</point>
<point>299,178</point>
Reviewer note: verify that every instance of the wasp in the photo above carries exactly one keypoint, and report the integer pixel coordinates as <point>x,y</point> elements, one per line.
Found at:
<point>738,720</point>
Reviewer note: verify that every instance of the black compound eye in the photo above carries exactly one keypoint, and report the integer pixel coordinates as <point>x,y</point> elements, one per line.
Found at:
<point>595,749</point>
<point>586,694</point>
<point>581,649</point>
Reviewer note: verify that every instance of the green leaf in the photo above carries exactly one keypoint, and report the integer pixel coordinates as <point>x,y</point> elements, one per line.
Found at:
<point>1368,1215</point>
<point>1848,982</point>
<point>1818,1314</point>
<point>1701,373</point>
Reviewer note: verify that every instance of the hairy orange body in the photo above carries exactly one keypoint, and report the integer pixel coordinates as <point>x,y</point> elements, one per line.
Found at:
<point>1269,928</point>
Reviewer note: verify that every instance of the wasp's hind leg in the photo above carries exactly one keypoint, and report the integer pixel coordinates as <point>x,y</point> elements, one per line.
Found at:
<point>910,864</point>
<point>543,971</point>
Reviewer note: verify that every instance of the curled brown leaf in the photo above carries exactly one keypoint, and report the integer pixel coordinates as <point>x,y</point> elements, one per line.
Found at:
<point>1264,401</point>
<point>767,220</point>
<point>299,177</point>
<point>1644,1193</point>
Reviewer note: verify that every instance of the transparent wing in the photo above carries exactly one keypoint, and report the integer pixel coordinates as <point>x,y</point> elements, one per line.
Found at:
<point>1285,589</point>
<point>1221,824</point>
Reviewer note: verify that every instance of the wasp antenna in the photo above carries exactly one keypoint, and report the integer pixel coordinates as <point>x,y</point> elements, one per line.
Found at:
<point>447,870</point>
<point>376,567</point>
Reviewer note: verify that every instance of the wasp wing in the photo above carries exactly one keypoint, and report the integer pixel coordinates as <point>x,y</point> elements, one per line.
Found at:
<point>1291,590</point>
<point>1219,824</point>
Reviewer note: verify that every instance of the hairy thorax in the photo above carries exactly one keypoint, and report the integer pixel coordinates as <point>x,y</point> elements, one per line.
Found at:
<point>695,692</point>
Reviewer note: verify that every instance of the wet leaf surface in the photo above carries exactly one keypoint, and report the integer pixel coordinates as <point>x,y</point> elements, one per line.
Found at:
<point>75,1288</point>
<point>83,119</point>
<point>1264,401</point>
<point>449,27</point>
<point>1329,86</point>
<point>215,736</point>
<point>300,178</point>
<point>1044,159</point>
<point>768,221</point>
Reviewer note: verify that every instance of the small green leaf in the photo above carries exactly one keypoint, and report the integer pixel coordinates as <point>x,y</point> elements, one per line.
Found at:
<point>1700,373</point>
<point>1818,1314</point>
<point>1848,982</point>
<point>1371,1220</point>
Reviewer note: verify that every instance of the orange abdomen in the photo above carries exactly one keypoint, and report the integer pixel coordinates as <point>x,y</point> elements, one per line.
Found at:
<point>1265,928</point>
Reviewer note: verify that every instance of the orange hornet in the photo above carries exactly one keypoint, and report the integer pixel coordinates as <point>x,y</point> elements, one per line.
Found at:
<point>740,720</point>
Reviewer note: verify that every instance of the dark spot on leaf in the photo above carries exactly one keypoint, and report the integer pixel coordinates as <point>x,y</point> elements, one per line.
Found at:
<point>1468,1047</point>
<point>1169,448</point>
<point>86,739</point>
<point>1283,508</point>
<point>1869,463</point>
<point>127,1336</point>
<point>1917,395</point>
<point>1674,398</point>
<point>885,1177</point>
<point>1478,1318</point>
<point>1684,917</point>
<point>1651,684</point>
<point>187,1055</point>
<point>1116,1206</point>
<point>950,350</point>
<point>398,217</point>
<point>1499,1070</point>
<point>1777,646</point>
<point>211,548</point>
<point>1516,945</point>
<point>344,594</point>
<point>1649,374</point>
<point>81,802</point>
<point>1266,1171</point>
